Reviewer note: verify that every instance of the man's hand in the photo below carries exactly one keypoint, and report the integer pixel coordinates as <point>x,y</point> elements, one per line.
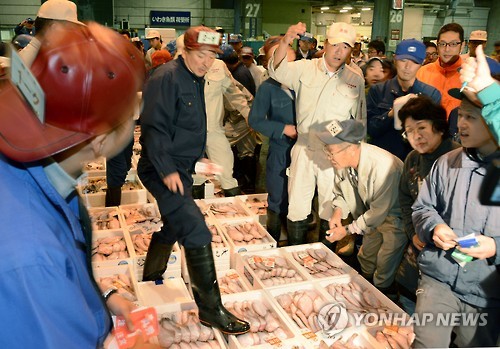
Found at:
<point>336,234</point>
<point>290,131</point>
<point>417,243</point>
<point>121,307</point>
<point>475,71</point>
<point>294,32</point>
<point>174,183</point>
<point>335,220</point>
<point>444,237</point>
<point>487,248</point>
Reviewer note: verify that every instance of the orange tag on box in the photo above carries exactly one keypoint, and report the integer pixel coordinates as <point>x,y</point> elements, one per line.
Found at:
<point>145,320</point>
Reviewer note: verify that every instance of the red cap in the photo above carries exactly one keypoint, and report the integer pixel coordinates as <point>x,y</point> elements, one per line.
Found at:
<point>202,38</point>
<point>159,57</point>
<point>90,77</point>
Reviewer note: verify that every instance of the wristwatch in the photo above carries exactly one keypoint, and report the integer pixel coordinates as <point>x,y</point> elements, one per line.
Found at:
<point>110,291</point>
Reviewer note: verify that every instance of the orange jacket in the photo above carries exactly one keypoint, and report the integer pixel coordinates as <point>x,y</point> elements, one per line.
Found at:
<point>442,79</point>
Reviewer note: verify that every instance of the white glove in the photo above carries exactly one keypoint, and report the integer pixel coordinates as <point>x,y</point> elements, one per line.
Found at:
<point>397,105</point>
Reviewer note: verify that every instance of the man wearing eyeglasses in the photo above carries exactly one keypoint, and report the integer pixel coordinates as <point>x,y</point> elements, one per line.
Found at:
<point>366,188</point>
<point>444,74</point>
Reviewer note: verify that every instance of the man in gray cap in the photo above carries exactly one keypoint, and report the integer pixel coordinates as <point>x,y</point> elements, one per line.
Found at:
<point>366,188</point>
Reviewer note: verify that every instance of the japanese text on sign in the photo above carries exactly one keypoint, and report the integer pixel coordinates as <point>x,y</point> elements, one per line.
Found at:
<point>169,18</point>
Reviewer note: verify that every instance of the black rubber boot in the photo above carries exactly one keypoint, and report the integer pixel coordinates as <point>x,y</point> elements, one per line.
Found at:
<point>113,196</point>
<point>232,192</point>
<point>249,166</point>
<point>297,231</point>
<point>156,259</point>
<point>201,268</point>
<point>273,225</point>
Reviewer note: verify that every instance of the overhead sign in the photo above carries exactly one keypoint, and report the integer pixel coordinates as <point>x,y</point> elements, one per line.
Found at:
<point>170,19</point>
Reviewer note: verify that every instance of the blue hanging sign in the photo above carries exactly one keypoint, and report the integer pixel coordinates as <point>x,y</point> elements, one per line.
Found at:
<point>170,19</point>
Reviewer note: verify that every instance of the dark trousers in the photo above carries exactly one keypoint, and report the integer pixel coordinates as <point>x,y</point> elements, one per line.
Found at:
<point>118,166</point>
<point>182,219</point>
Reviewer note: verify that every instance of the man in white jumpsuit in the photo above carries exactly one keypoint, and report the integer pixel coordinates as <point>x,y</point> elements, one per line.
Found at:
<point>327,89</point>
<point>219,83</point>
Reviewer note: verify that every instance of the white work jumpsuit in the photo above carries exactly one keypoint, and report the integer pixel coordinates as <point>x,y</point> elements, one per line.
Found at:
<point>219,83</point>
<point>320,98</point>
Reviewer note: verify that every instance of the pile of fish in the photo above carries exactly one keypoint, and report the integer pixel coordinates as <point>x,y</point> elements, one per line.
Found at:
<point>257,206</point>
<point>143,217</point>
<point>319,263</point>
<point>247,233</point>
<point>141,241</point>
<point>109,248</point>
<point>273,270</point>
<point>230,283</point>
<point>183,331</point>
<point>121,282</point>
<point>303,307</point>
<point>95,185</point>
<point>264,324</point>
<point>394,337</point>
<point>217,241</point>
<point>104,219</point>
<point>227,210</point>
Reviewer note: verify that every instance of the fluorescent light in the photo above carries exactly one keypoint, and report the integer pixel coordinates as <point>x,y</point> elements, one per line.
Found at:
<point>365,9</point>
<point>325,8</point>
<point>343,11</point>
<point>348,7</point>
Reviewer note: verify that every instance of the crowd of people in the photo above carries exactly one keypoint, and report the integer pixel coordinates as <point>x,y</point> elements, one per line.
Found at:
<point>390,153</point>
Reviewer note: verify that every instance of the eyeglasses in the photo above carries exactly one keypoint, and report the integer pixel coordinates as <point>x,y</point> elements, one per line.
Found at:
<point>453,44</point>
<point>332,155</point>
<point>432,54</point>
<point>411,132</point>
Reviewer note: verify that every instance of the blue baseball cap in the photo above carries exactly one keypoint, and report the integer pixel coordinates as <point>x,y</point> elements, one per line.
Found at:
<point>227,51</point>
<point>411,49</point>
<point>235,38</point>
<point>172,47</point>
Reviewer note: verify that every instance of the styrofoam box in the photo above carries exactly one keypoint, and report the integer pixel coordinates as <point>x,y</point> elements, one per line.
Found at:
<point>137,196</point>
<point>233,201</point>
<point>172,310</point>
<point>94,212</point>
<point>372,331</point>
<point>362,339</point>
<point>237,247</point>
<point>292,337</point>
<point>243,267</point>
<point>310,338</point>
<point>343,267</point>
<point>170,291</point>
<point>173,267</point>
<point>366,286</point>
<point>113,262</point>
<point>119,269</point>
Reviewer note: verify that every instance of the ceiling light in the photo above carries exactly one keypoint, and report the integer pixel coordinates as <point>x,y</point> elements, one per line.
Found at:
<point>322,12</point>
<point>365,9</point>
<point>343,11</point>
<point>325,8</point>
<point>348,7</point>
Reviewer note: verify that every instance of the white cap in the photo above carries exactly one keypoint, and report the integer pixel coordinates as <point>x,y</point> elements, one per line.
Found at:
<point>62,10</point>
<point>341,32</point>
<point>479,35</point>
<point>151,34</point>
